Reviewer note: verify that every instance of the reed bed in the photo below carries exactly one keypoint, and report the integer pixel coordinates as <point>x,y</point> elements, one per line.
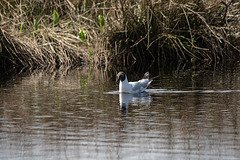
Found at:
<point>68,32</point>
<point>180,30</point>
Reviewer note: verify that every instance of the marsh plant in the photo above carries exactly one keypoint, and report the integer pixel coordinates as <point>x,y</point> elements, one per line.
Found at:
<point>178,30</point>
<point>55,18</point>
<point>68,32</point>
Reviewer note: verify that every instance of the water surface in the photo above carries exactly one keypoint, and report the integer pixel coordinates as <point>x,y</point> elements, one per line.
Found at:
<point>78,114</point>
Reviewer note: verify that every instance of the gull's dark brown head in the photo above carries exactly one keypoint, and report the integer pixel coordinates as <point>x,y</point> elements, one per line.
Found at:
<point>120,77</point>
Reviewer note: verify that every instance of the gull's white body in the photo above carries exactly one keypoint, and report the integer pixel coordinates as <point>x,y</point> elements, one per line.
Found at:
<point>133,87</point>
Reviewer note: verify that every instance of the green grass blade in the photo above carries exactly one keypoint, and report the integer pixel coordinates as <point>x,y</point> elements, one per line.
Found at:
<point>101,21</point>
<point>35,25</point>
<point>83,35</point>
<point>55,18</point>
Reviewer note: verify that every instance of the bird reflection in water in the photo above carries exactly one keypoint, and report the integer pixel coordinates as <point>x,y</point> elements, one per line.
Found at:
<point>142,98</point>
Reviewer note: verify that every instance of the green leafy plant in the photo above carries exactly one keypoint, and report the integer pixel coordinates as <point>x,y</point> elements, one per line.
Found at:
<point>35,25</point>
<point>90,56</point>
<point>90,53</point>
<point>83,35</point>
<point>21,28</point>
<point>55,18</point>
<point>101,21</point>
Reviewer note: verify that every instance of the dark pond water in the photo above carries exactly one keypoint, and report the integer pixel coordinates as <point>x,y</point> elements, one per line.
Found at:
<point>77,114</point>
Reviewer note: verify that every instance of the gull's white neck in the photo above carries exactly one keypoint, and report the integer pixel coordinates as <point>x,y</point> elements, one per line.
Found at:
<point>124,86</point>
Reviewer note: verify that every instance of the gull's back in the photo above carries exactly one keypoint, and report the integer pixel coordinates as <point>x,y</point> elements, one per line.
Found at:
<point>140,85</point>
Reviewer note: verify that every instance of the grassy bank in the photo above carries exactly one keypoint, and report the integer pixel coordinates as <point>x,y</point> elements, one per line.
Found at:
<point>69,32</point>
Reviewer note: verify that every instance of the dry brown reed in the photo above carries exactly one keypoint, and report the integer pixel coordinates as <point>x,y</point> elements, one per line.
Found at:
<point>178,30</point>
<point>40,43</point>
<point>133,31</point>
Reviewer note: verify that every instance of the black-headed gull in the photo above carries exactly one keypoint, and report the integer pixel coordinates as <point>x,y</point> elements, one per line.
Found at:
<point>132,87</point>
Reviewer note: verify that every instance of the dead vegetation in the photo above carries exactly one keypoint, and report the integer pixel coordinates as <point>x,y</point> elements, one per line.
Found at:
<point>118,32</point>
<point>206,31</point>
